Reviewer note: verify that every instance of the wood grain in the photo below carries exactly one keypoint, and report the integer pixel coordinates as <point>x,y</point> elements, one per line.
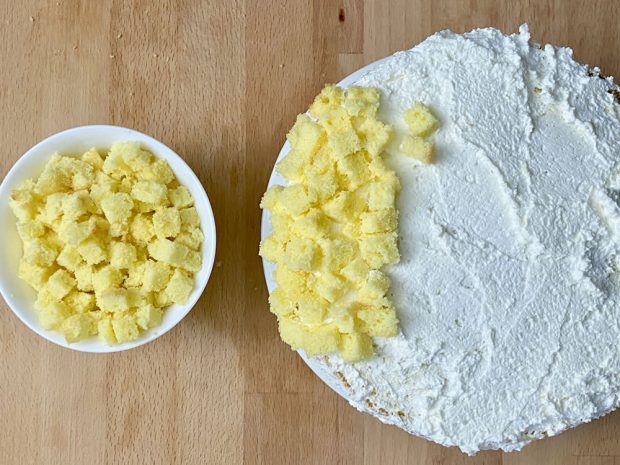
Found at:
<point>221,82</point>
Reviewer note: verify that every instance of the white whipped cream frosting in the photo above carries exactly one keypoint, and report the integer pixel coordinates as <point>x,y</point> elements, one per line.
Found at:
<point>508,287</point>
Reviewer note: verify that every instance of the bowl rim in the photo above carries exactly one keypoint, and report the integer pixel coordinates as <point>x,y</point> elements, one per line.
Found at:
<point>207,222</point>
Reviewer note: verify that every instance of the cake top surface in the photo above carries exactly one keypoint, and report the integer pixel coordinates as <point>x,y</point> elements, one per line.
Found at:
<point>508,286</point>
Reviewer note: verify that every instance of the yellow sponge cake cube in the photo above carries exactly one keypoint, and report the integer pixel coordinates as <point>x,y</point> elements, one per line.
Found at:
<point>355,169</point>
<point>301,254</point>
<point>356,347</point>
<point>149,316</point>
<point>122,255</point>
<point>420,120</point>
<point>155,275</point>
<point>135,274</point>
<point>312,224</point>
<point>114,165</point>
<point>106,331</point>
<point>293,165</point>
<point>375,287</point>
<point>418,148</point>
<point>311,308</point>
<point>60,284</point>
<point>362,100</point>
<point>77,204</point>
<point>324,184</point>
<point>34,275</point>
<point>180,197</point>
<point>379,221</point>
<point>170,252</point>
<point>179,287</point>
<point>78,326</point>
<point>81,174</point>
<point>80,302</point>
<point>125,328</point>
<point>39,252</point>
<point>381,195</point>
<point>192,237</point>
<point>356,271</point>
<point>117,209</point>
<point>337,253</point>
<point>271,249</point>
<point>69,258</point>
<point>378,321</point>
<point>167,222</point>
<point>30,230</point>
<point>132,154</point>
<point>193,262</point>
<point>329,286</point>
<point>281,304</point>
<point>306,136</point>
<point>330,98</point>
<point>141,228</point>
<point>290,279</point>
<point>317,340</point>
<point>92,251</point>
<point>271,198</point>
<point>53,178</point>
<point>93,158</point>
<point>53,314</point>
<point>24,203</point>
<point>158,171</point>
<point>341,315</point>
<point>376,136</point>
<point>113,300</point>
<point>75,232</point>
<point>150,192</point>
<point>282,227</point>
<point>380,249</point>
<point>189,218</point>
<point>84,277</point>
<point>296,199</point>
<point>106,278</point>
<point>340,207</point>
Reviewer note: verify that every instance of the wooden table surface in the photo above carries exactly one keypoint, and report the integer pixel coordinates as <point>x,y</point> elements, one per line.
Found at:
<point>220,82</point>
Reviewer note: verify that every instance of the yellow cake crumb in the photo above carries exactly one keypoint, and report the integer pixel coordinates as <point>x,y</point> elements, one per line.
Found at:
<point>155,275</point>
<point>418,148</point>
<point>179,287</point>
<point>357,346</point>
<point>167,222</point>
<point>320,339</point>
<point>420,120</point>
<point>96,236</point>
<point>60,283</point>
<point>149,316</point>
<point>79,326</point>
<point>125,328</point>
<point>330,98</point>
<point>334,227</point>
<point>422,123</point>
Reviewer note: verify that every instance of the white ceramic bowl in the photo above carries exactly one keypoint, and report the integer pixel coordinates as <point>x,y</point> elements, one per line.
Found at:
<point>20,296</point>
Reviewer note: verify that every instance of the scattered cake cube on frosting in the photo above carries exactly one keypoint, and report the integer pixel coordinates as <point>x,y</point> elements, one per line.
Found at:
<point>421,123</point>
<point>420,120</point>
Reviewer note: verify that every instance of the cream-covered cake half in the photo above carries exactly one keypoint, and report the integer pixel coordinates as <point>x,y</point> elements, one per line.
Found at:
<point>508,286</point>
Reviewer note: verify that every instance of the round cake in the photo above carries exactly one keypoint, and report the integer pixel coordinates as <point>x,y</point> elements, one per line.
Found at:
<point>508,284</point>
